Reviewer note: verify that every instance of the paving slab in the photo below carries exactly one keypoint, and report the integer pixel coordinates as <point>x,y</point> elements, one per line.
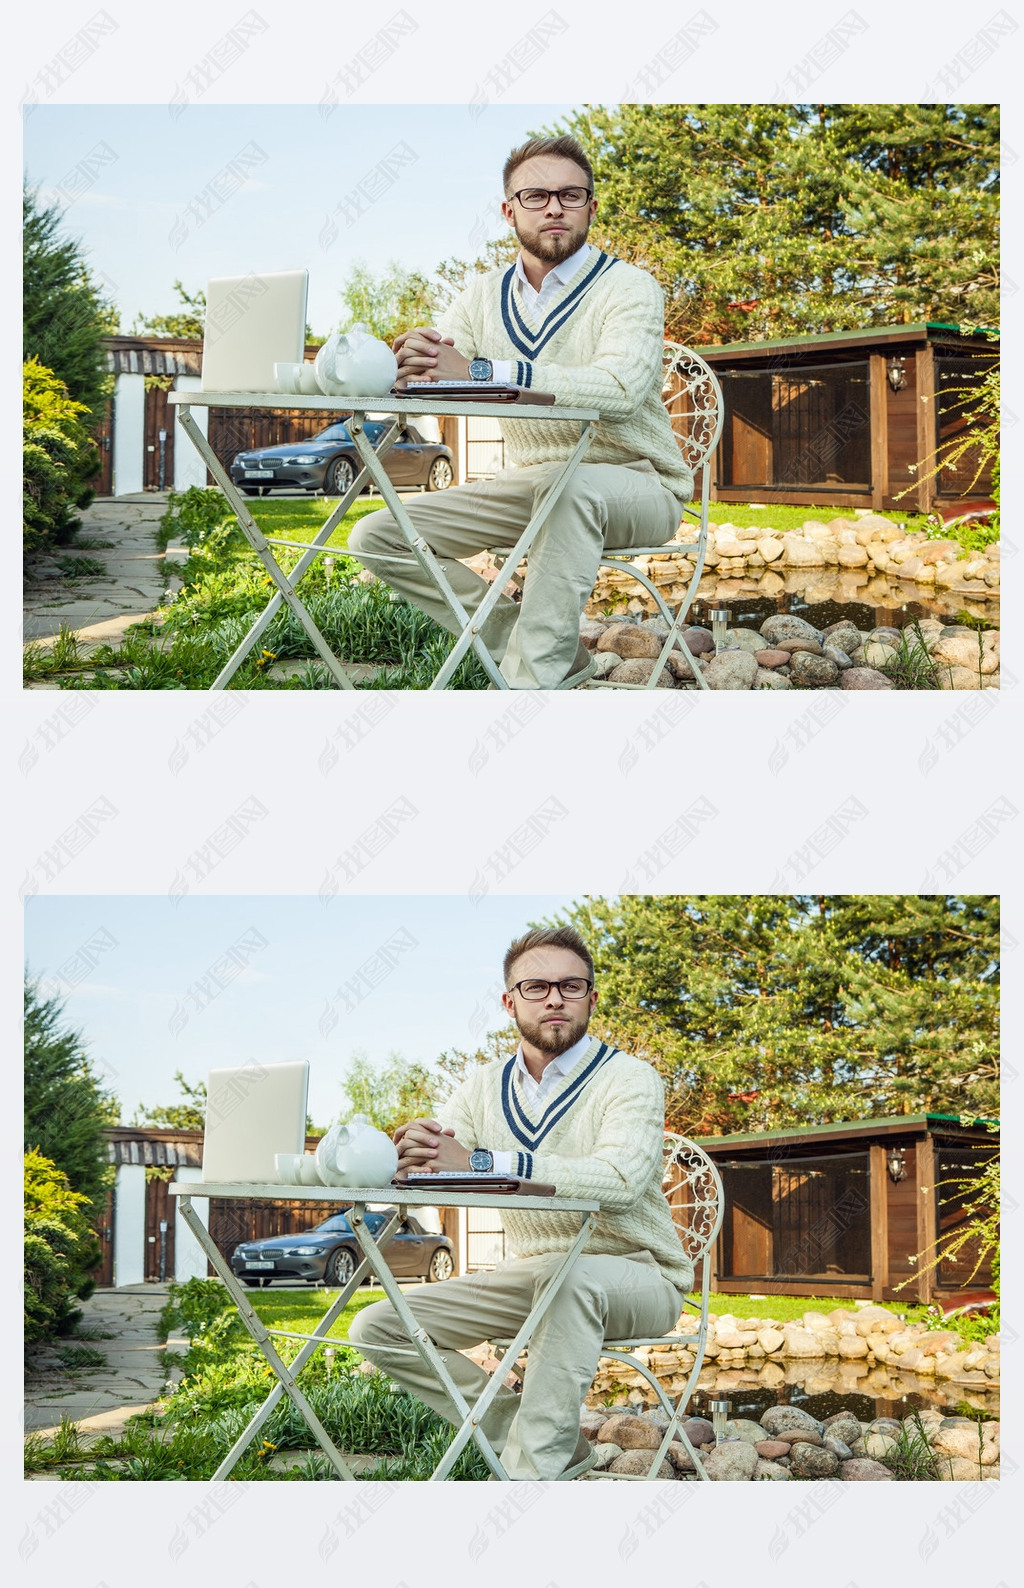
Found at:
<point>131,1379</point>
<point>130,587</point>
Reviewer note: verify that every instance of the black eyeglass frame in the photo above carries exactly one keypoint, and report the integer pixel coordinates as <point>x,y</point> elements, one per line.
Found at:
<point>517,985</point>
<point>553,192</point>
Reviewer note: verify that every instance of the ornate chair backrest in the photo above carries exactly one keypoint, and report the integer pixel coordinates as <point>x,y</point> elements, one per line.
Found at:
<point>693,398</point>
<point>694,1193</point>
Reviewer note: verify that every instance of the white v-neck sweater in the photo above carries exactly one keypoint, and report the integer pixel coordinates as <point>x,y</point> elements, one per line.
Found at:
<point>598,345</point>
<point>598,1136</point>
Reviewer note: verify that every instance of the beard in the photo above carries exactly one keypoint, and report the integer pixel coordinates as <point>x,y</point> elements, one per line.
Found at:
<point>553,1039</point>
<point>554,249</point>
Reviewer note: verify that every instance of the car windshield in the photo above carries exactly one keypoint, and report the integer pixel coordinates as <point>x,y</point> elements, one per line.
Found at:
<point>339,1225</point>
<point>333,433</point>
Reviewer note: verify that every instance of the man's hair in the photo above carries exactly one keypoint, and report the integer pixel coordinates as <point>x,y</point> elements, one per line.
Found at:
<point>565,148</point>
<point>549,937</point>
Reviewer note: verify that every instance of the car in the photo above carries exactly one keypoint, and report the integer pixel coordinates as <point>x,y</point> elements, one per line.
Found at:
<point>328,1254</point>
<point>329,462</point>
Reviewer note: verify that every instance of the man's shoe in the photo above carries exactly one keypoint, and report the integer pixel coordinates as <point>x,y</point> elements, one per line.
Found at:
<point>583,1458</point>
<point>584,666</point>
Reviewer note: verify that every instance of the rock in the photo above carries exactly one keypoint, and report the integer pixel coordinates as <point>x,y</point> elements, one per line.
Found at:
<point>801,1436</point>
<point>681,666</point>
<point>770,1340</point>
<point>770,547</point>
<point>864,678</point>
<point>863,1470</point>
<point>733,1462</point>
<point>843,634</point>
<point>838,1448</point>
<point>872,526</point>
<point>771,1449</point>
<point>591,630</point>
<point>873,1445</point>
<point>851,1345</point>
<point>843,1426</point>
<point>803,644</point>
<point>877,654</point>
<point>608,640</point>
<point>814,672</point>
<point>960,1442</point>
<point>640,1461</point>
<point>727,544</point>
<point>799,551</point>
<point>784,626</point>
<point>638,670</point>
<point>698,641</point>
<point>629,1433</point>
<point>731,670</point>
<point>940,551</point>
<point>778,1418</point>
<point>957,677</point>
<point>885,1425</point>
<point>772,658</point>
<point>607,662</point>
<point>852,557</point>
<point>937,1340</point>
<point>810,1461</point>
<point>771,1472</point>
<point>742,1428</point>
<point>961,650</point>
<point>699,1431</point>
<point>591,1421</point>
<point>743,640</point>
<point>735,1339</point>
<point>958,1469</point>
<point>606,1454</point>
<point>769,678</point>
<point>840,658</point>
<point>630,640</point>
<point>680,1457</point>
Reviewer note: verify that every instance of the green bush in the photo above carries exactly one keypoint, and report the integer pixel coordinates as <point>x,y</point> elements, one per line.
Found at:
<point>59,459</point>
<point>192,514</point>
<point>61,1250</point>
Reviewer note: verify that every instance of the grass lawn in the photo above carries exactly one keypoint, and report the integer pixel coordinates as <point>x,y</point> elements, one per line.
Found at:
<point>783,517</point>
<point>786,1308</point>
<point>301,1310</point>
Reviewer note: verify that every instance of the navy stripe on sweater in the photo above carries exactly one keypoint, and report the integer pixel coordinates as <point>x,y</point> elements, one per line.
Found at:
<point>531,1133</point>
<point>523,337</point>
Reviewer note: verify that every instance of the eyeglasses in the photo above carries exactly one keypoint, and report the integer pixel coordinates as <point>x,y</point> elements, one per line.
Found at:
<point>536,198</point>
<point>536,991</point>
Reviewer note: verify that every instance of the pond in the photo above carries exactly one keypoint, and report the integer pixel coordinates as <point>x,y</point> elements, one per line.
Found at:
<point>821,598</point>
<point>821,1391</point>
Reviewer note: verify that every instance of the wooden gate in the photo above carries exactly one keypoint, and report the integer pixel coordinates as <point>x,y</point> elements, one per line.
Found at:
<point>159,1260</point>
<point>103,483</point>
<point>234,430</point>
<point>104,1274</point>
<point>158,467</point>
<point>232,1222</point>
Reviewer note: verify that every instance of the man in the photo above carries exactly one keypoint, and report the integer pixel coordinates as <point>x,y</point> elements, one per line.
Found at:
<point>567,319</point>
<point>570,1111</point>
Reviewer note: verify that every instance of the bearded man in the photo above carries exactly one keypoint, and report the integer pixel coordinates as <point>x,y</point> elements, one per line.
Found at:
<point>570,1111</point>
<point>567,319</point>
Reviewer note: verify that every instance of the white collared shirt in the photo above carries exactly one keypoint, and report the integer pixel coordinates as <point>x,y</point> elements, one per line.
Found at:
<point>535,1092</point>
<point>536,299</point>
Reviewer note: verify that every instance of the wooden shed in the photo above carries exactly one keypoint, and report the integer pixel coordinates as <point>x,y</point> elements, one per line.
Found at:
<point>850,417</point>
<point>841,1210</point>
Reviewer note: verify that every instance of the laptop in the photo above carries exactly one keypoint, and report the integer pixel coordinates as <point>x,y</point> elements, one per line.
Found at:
<point>252,323</point>
<point>252,1113</point>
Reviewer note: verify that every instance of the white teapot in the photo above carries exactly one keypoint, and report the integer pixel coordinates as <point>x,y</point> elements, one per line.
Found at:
<point>356,1154</point>
<point>355,364</point>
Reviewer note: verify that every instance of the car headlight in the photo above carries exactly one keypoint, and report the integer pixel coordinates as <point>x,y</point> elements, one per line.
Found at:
<point>303,1251</point>
<point>310,459</point>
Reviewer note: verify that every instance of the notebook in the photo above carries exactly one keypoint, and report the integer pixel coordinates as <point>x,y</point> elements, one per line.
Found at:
<point>252,323</point>
<point>465,1180</point>
<point>490,391</point>
<point>252,1113</point>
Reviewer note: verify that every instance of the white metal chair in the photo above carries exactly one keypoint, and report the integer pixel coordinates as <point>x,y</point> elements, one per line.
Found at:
<point>694,1191</point>
<point>693,397</point>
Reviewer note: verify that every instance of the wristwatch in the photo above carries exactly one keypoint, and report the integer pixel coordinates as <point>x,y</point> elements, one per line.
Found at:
<point>481,1161</point>
<point>481,369</point>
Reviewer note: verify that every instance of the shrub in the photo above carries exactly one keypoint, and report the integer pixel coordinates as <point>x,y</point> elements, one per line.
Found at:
<point>59,459</point>
<point>61,1250</point>
<point>192,514</point>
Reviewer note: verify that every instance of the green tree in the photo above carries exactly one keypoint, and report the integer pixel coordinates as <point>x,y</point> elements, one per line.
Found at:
<point>66,1107</point>
<point>59,458</point>
<point>65,315</point>
<point>455,274</point>
<point>389,303</point>
<point>61,1250</point>
<point>187,1115</point>
<point>388,1095</point>
<point>777,1010</point>
<point>187,321</point>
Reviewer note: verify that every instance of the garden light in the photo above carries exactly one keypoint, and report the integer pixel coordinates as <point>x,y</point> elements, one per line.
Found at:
<point>720,1410</point>
<point>720,620</point>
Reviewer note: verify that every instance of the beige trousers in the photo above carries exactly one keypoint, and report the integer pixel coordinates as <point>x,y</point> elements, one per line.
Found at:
<point>604,505</point>
<point>535,1433</point>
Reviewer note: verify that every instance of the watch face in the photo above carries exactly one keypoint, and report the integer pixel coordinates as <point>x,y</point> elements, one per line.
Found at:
<point>481,369</point>
<point>480,1160</point>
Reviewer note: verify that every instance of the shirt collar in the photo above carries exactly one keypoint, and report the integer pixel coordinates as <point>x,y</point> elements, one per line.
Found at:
<point>562,1063</point>
<point>562,272</point>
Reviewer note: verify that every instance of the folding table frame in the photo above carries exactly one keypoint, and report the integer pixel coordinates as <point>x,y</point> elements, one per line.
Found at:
<point>402,409</point>
<point>354,1202</point>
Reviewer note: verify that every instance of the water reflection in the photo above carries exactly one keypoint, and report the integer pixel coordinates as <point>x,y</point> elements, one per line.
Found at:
<point>867,1393</point>
<point>823,596</point>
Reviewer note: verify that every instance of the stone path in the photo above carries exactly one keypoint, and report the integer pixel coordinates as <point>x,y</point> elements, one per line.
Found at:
<point>100,607</point>
<point>101,1398</point>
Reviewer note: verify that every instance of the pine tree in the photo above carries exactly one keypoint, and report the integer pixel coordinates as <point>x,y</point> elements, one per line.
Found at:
<point>64,314</point>
<point>66,1108</point>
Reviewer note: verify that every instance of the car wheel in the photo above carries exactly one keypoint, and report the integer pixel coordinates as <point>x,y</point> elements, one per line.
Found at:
<point>340,1267</point>
<point>249,1282</point>
<point>441,1265</point>
<point>440,476</point>
<point>250,490</point>
<point>339,477</point>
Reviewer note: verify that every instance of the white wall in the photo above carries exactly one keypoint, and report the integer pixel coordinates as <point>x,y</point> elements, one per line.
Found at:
<point>189,468</point>
<point>129,437</point>
<point>190,1260</point>
<point>130,1218</point>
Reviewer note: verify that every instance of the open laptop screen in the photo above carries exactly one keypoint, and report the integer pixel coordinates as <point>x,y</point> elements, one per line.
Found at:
<point>252,323</point>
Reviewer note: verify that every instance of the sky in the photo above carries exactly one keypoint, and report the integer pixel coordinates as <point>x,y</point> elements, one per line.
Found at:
<point>156,987</point>
<point>157,193</point>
